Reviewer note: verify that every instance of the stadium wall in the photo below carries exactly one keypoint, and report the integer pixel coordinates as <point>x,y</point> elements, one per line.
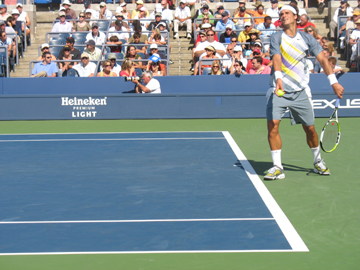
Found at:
<point>182,97</point>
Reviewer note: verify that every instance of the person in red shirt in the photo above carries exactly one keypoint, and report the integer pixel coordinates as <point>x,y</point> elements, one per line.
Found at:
<point>258,67</point>
<point>304,22</point>
<point>257,53</point>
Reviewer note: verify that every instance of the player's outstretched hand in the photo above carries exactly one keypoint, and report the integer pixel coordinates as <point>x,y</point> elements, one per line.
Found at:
<point>338,89</point>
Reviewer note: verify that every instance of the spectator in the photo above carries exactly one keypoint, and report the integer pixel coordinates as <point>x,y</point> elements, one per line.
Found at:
<point>238,55</point>
<point>139,5</point>
<point>266,25</point>
<point>241,15</point>
<point>85,68</point>
<point>156,23</point>
<point>163,31</point>
<point>10,26</point>
<point>141,16</point>
<point>118,30</point>
<point>202,38</point>
<point>200,49</point>
<point>65,66</point>
<point>224,22</point>
<point>156,37</point>
<point>154,49</point>
<point>81,25</point>
<point>89,18</point>
<point>7,42</point>
<point>166,13</point>
<point>229,58</point>
<point>45,48</point>
<point>205,21</point>
<point>311,30</point>
<point>323,41</point>
<point>209,54</point>
<point>245,35</point>
<point>259,12</point>
<point>138,29</point>
<point>63,25</point>
<point>182,17</point>
<point>354,39</point>
<point>328,45</point>
<point>273,12</point>
<point>115,67</point>
<point>103,13</point>
<point>3,12</point>
<point>93,52</point>
<point>201,13</point>
<point>24,17</point>
<point>343,10</point>
<point>66,4</point>
<point>46,68</point>
<point>138,44</point>
<point>68,18</point>
<point>304,22</point>
<point>228,34</point>
<point>253,36</point>
<point>350,24</point>
<point>156,68</point>
<point>96,35</point>
<point>242,4</point>
<point>237,68</point>
<point>220,10</point>
<point>258,67</point>
<point>151,86</point>
<point>265,61</point>
<point>336,69</point>
<point>132,55</point>
<point>88,9</point>
<point>122,9</point>
<point>127,68</point>
<point>17,25</point>
<point>106,70</point>
<point>215,68</point>
<point>75,53</point>
<point>121,17</point>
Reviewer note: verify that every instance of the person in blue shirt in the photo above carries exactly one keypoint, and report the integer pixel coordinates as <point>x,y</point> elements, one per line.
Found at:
<point>46,68</point>
<point>221,25</point>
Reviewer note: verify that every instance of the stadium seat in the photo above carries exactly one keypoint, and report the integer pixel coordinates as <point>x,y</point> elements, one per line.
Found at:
<point>57,42</point>
<point>138,72</point>
<point>103,25</point>
<point>55,50</point>
<point>71,73</point>
<point>79,35</point>
<point>206,71</point>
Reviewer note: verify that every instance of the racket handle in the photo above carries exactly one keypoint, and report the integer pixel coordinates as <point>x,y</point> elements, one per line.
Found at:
<point>337,103</point>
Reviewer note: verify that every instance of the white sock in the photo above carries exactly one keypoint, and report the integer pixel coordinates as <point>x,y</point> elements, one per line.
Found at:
<point>316,153</point>
<point>276,157</point>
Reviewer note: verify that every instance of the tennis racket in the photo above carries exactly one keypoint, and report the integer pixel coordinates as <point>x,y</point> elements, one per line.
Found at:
<point>330,134</point>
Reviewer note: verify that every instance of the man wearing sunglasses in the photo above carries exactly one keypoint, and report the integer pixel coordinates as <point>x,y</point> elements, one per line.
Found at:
<point>63,25</point>
<point>46,68</point>
<point>85,68</point>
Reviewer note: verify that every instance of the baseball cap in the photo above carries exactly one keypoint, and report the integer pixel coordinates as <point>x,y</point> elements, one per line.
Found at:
<point>183,1</point>
<point>154,46</point>
<point>90,42</point>
<point>205,6</point>
<point>162,23</point>
<point>111,56</point>
<point>256,51</point>
<point>123,4</point>
<point>95,25</point>
<point>229,26</point>
<point>70,40</point>
<point>220,7</point>
<point>158,14</point>
<point>237,48</point>
<point>274,1</point>
<point>3,6</point>
<point>247,24</point>
<point>143,9</point>
<point>102,4</point>
<point>202,33</point>
<point>140,2</point>
<point>62,13</point>
<point>118,23</point>
<point>2,22</point>
<point>358,21</point>
<point>243,9</point>
<point>44,45</point>
<point>15,11</point>
<point>119,14</point>
<point>225,13</point>
<point>19,5</point>
<point>66,2</point>
<point>343,1</point>
<point>88,11</point>
<point>206,25</point>
<point>67,48</point>
<point>85,55</point>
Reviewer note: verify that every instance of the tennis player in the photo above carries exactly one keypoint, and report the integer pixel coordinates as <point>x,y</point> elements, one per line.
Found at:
<point>289,49</point>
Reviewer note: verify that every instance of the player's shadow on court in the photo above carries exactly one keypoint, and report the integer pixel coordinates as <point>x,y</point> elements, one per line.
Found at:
<point>261,167</point>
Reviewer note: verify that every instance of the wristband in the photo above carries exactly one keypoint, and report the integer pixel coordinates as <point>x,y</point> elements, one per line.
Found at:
<point>332,79</point>
<point>278,75</point>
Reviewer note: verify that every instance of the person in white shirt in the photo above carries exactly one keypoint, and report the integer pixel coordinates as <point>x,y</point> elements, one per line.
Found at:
<point>354,38</point>
<point>3,12</point>
<point>63,25</point>
<point>219,47</point>
<point>343,10</point>
<point>116,31</point>
<point>85,68</point>
<point>23,17</point>
<point>273,12</point>
<point>115,67</point>
<point>182,17</point>
<point>151,86</point>
<point>96,35</point>
<point>103,13</point>
<point>166,13</point>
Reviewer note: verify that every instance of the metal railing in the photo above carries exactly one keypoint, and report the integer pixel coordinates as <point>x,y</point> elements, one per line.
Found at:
<point>6,65</point>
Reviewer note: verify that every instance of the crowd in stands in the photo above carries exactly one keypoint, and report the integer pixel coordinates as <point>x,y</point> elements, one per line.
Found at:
<point>237,42</point>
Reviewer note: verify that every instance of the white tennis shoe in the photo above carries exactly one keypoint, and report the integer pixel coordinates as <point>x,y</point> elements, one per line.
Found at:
<point>275,173</point>
<point>320,168</point>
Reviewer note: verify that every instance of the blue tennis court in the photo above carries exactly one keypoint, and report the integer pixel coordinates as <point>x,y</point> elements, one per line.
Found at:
<point>135,193</point>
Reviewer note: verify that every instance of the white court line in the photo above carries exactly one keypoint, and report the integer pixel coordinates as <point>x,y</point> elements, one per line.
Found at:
<point>294,239</point>
<point>132,221</point>
<point>113,139</point>
<point>91,133</point>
